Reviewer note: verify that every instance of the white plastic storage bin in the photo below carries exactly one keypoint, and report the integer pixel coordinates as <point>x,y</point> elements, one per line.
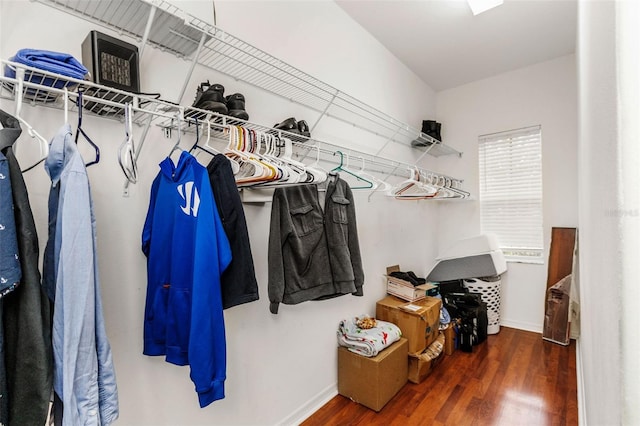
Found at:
<point>489,288</point>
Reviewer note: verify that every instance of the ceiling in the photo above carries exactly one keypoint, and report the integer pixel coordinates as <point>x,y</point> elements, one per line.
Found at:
<point>446,46</point>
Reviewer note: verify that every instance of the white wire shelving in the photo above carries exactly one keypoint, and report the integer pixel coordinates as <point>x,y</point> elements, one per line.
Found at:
<point>168,28</point>
<point>39,88</point>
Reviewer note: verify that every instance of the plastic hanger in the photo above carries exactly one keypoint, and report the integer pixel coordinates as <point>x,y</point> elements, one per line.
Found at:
<point>343,168</point>
<point>319,174</point>
<point>291,171</point>
<point>126,152</point>
<point>80,130</point>
<point>375,181</point>
<point>263,170</point>
<point>176,146</point>
<point>43,143</point>
<point>235,166</point>
<point>196,145</point>
<point>250,170</point>
<point>383,187</point>
<point>66,105</point>
<point>414,188</point>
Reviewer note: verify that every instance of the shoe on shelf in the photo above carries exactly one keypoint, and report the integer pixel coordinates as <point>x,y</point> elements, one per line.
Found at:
<point>432,128</point>
<point>211,98</point>
<point>303,128</point>
<point>289,125</point>
<point>296,127</point>
<point>236,106</point>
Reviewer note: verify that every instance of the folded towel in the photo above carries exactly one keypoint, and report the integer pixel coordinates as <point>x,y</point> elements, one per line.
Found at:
<point>53,62</point>
<point>368,342</point>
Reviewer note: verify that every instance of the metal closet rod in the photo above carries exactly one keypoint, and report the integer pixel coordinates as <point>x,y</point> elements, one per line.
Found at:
<point>311,146</point>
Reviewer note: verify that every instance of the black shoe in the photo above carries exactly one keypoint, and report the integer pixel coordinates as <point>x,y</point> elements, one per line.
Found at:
<point>428,126</point>
<point>235,105</point>
<point>432,128</point>
<point>303,128</point>
<point>211,99</point>
<point>436,133</point>
<point>289,125</point>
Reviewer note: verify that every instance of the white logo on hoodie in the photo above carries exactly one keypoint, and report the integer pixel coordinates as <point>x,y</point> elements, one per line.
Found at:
<point>191,198</point>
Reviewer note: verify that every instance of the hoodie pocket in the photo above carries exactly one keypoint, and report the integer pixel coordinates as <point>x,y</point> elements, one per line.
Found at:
<point>179,318</point>
<point>159,314</point>
<point>305,220</point>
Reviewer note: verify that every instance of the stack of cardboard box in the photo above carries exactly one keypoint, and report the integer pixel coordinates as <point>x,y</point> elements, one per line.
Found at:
<point>372,382</point>
<point>419,322</point>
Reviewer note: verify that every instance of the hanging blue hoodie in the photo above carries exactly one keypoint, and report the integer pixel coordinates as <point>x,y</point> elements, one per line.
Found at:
<point>187,251</point>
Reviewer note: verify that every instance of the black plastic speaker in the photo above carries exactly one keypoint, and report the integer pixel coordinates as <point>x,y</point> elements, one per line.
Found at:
<point>111,62</point>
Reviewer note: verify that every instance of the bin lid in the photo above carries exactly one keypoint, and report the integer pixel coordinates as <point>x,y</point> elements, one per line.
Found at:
<point>471,266</point>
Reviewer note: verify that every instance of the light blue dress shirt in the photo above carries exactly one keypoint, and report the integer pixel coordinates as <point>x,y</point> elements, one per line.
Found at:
<point>84,376</point>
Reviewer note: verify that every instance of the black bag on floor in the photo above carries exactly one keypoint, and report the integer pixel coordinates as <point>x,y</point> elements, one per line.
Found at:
<point>472,312</point>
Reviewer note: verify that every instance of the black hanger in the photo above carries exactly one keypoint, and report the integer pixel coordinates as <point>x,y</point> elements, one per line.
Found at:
<point>80,130</point>
<point>195,144</point>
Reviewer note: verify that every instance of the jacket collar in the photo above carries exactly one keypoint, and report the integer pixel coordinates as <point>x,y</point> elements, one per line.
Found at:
<point>60,151</point>
<point>332,179</point>
<point>11,130</point>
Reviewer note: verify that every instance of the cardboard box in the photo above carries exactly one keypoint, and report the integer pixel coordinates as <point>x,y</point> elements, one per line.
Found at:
<point>449,339</point>
<point>404,289</point>
<point>421,365</point>
<point>419,320</point>
<point>373,381</point>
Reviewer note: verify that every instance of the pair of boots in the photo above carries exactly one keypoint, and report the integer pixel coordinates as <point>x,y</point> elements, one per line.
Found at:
<point>432,128</point>
<point>212,99</point>
<point>292,126</point>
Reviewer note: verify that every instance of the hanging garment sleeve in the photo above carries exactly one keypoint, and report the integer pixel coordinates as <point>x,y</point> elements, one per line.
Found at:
<point>207,343</point>
<point>354,243</point>
<point>278,233</point>
<point>238,282</point>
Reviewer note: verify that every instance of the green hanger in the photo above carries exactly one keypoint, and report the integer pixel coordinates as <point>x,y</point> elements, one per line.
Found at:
<point>368,184</point>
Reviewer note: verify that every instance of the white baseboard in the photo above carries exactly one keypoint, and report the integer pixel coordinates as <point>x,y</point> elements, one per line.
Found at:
<point>310,406</point>
<point>536,328</point>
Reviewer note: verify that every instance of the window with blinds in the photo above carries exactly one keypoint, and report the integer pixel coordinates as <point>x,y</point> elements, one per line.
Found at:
<point>511,192</point>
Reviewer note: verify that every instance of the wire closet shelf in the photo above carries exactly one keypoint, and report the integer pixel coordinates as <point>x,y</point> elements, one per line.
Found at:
<point>168,28</point>
<point>36,87</point>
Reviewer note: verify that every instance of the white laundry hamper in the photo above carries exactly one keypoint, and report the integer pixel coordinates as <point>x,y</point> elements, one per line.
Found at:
<point>489,288</point>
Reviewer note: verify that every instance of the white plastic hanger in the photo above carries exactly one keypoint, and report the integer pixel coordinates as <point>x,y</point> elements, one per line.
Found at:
<point>43,143</point>
<point>126,152</point>
<point>414,188</point>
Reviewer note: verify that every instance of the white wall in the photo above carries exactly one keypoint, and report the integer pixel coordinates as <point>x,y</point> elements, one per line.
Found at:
<point>279,367</point>
<point>608,222</point>
<point>545,94</point>
<point>628,18</point>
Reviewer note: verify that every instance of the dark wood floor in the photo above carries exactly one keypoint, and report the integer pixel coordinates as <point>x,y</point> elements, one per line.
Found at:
<point>513,378</point>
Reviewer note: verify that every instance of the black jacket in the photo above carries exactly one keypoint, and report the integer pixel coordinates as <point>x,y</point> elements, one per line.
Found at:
<point>27,312</point>
<point>238,282</point>
<point>313,254</point>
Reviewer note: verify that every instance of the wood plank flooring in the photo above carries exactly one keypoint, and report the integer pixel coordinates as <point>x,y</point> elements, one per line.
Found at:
<point>513,378</point>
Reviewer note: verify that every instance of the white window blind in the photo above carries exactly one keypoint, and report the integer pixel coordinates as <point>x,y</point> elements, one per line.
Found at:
<point>511,191</point>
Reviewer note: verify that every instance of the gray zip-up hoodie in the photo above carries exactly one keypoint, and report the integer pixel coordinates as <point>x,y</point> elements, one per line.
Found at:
<point>313,254</point>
